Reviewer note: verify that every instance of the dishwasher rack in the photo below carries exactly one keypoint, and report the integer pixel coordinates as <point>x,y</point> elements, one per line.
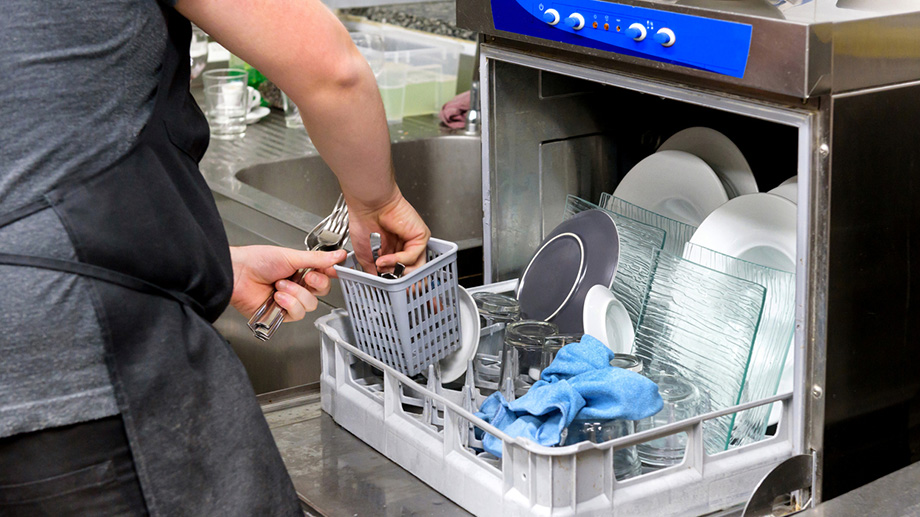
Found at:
<point>427,429</point>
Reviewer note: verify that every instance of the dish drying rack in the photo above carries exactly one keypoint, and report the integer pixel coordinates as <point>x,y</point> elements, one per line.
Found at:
<point>428,430</point>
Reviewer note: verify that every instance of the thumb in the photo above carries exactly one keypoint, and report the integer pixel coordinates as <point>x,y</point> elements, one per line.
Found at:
<point>316,259</point>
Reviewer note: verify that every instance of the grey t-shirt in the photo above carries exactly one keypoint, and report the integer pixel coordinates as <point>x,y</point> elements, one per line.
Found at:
<point>80,80</point>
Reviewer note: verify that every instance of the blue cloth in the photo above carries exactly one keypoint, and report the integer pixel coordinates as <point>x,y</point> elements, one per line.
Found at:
<point>579,382</point>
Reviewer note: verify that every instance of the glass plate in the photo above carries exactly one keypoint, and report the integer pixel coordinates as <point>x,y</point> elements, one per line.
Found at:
<point>638,244</point>
<point>677,233</point>
<point>700,324</point>
<point>773,340</point>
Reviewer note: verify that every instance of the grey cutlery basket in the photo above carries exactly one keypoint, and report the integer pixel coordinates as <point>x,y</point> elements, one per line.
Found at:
<point>410,322</point>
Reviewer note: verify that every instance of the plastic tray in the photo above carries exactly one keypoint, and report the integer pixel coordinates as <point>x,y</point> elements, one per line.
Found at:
<point>427,431</point>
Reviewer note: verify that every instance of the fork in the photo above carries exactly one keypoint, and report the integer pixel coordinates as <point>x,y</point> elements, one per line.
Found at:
<point>329,235</point>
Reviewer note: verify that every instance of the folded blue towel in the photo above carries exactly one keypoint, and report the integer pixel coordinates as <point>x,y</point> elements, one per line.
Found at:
<point>580,381</point>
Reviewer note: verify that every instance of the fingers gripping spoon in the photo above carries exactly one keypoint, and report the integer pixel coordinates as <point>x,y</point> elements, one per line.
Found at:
<point>329,235</point>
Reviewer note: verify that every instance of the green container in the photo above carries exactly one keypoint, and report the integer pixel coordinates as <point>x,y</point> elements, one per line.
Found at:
<point>255,77</point>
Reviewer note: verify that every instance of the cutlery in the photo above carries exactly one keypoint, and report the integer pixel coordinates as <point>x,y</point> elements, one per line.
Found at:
<point>329,235</point>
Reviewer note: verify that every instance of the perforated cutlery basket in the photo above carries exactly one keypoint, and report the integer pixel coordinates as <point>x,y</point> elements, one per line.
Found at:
<point>410,322</point>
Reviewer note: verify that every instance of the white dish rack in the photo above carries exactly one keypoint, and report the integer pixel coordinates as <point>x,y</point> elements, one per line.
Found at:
<point>427,431</point>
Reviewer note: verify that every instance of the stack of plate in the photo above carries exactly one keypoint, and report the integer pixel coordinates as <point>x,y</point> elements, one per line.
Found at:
<point>699,177</point>
<point>694,172</point>
<point>788,189</point>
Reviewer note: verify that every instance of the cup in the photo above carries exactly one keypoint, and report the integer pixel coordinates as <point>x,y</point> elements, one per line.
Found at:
<point>495,311</point>
<point>227,101</point>
<point>526,352</point>
<point>291,113</point>
<point>682,400</point>
<point>626,462</point>
<point>255,98</point>
<point>627,362</point>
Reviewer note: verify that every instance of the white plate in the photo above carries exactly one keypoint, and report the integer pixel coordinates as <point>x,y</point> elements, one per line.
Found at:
<point>720,153</point>
<point>785,386</point>
<point>454,365</point>
<point>788,189</point>
<point>758,228</point>
<point>606,319</point>
<point>257,114</point>
<point>674,184</point>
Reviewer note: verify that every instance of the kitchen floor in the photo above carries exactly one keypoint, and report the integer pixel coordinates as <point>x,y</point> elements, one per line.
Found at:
<point>336,474</point>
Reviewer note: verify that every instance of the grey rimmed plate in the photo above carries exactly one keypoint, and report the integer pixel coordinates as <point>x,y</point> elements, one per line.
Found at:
<point>580,253</point>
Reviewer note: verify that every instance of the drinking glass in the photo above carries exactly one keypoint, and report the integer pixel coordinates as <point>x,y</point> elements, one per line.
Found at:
<point>626,462</point>
<point>526,352</point>
<point>292,117</point>
<point>227,100</point>
<point>627,362</point>
<point>496,311</point>
<point>682,400</point>
<point>198,52</point>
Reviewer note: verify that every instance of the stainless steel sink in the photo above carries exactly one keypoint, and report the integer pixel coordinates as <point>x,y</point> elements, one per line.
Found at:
<point>271,187</point>
<point>440,176</point>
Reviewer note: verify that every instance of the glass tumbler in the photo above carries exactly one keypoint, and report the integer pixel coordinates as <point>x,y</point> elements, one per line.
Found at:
<point>496,311</point>
<point>626,462</point>
<point>627,362</point>
<point>226,102</point>
<point>527,350</point>
<point>682,400</point>
<point>291,113</point>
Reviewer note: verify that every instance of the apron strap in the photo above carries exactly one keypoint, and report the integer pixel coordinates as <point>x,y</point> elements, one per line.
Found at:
<point>99,273</point>
<point>24,211</point>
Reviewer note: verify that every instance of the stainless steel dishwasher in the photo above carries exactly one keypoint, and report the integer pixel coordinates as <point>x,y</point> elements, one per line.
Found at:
<point>572,99</point>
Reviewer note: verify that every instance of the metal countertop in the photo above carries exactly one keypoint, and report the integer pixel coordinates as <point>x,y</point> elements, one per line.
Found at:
<point>897,494</point>
<point>337,475</point>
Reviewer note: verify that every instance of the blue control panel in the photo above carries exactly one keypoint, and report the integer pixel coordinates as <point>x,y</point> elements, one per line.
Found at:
<point>704,43</point>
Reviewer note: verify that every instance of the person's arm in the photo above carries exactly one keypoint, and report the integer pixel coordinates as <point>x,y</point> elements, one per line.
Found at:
<point>304,49</point>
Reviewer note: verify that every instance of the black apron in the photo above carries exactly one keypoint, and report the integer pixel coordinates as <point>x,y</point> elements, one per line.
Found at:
<point>148,236</point>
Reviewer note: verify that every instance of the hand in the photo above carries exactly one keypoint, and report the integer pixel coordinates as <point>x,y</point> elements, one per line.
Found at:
<point>259,269</point>
<point>404,235</point>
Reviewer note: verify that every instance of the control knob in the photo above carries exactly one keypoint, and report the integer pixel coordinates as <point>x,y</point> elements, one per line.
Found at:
<point>665,36</point>
<point>575,21</point>
<point>636,31</point>
<point>551,16</point>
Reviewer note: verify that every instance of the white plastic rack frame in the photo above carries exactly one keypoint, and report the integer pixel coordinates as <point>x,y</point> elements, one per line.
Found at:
<point>427,430</point>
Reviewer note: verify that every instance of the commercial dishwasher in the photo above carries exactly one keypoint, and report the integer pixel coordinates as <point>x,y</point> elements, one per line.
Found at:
<point>576,92</point>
